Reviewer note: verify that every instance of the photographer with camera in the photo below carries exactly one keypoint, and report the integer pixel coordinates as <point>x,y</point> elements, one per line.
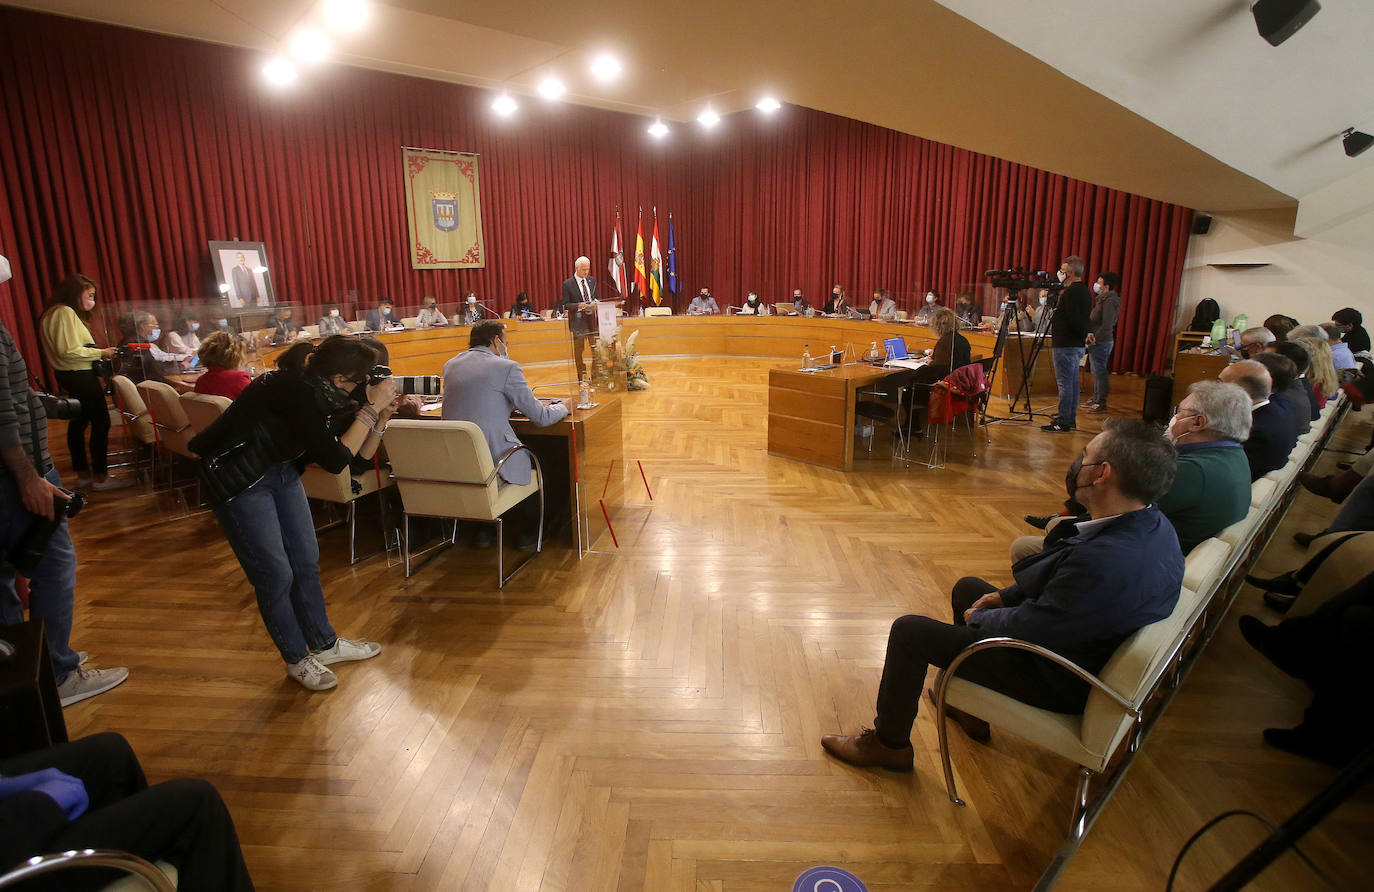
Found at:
<point>33,527</point>
<point>252,458</point>
<point>71,351</point>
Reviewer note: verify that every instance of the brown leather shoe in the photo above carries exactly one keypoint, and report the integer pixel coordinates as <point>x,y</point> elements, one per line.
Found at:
<point>865,749</point>
<point>978,730</point>
<point>1315,484</point>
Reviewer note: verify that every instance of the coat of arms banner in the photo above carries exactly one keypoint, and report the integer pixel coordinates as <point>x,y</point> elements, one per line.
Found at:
<point>443,210</point>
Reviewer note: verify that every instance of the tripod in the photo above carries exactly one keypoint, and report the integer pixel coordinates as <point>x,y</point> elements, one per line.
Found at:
<point>1028,354</point>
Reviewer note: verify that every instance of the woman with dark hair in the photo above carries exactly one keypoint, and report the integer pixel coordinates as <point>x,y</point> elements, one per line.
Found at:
<point>71,351</point>
<point>251,462</point>
<point>522,308</point>
<point>1280,325</point>
<point>1352,323</point>
<point>184,335</point>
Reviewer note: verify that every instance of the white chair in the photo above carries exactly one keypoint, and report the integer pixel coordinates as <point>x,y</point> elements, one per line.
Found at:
<point>137,423</point>
<point>312,331</point>
<point>444,469</point>
<point>345,489</point>
<point>658,311</point>
<point>358,325</point>
<point>173,427</point>
<point>140,875</point>
<point>901,315</point>
<point>203,409</point>
<point>411,322</point>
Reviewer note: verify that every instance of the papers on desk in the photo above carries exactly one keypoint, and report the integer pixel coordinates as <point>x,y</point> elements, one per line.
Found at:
<point>820,368</point>
<point>912,364</point>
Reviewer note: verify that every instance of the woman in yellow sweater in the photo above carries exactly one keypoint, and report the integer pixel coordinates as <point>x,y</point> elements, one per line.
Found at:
<point>71,350</point>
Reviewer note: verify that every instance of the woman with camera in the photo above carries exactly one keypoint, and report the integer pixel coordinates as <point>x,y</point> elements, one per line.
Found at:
<point>72,353</point>
<point>252,458</point>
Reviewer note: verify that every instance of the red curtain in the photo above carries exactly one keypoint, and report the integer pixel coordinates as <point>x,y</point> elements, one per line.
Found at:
<point>123,153</point>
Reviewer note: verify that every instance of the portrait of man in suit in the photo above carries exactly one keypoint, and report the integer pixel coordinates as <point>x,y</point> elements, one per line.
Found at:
<point>241,268</point>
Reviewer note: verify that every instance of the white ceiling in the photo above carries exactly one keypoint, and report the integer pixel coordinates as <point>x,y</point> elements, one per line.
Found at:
<point>1168,105</point>
<point>1199,69</point>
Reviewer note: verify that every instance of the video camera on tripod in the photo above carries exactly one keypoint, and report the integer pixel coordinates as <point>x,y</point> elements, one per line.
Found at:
<point>1019,278</point>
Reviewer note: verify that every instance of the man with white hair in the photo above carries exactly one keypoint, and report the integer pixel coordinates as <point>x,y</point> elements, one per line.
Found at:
<point>1255,340</point>
<point>579,304</point>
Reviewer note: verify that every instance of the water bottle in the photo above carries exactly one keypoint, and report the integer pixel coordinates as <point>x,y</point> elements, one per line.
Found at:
<point>584,393</point>
<point>872,352</point>
<point>806,356</point>
<point>1242,322</point>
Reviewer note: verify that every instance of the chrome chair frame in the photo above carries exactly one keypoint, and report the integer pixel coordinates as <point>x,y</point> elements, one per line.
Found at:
<point>501,575</point>
<point>42,865</point>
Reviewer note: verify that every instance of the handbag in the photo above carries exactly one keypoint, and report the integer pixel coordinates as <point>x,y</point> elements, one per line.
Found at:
<point>234,469</point>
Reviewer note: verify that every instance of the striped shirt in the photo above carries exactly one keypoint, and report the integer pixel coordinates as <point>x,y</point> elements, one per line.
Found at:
<point>22,419</point>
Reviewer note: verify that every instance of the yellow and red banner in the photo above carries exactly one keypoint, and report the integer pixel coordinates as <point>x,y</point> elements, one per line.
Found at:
<point>443,210</point>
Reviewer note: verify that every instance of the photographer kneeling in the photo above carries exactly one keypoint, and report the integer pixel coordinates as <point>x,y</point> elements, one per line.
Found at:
<point>251,464</point>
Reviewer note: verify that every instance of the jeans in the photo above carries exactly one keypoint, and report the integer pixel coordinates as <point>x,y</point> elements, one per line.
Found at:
<point>85,386</point>
<point>52,584</point>
<point>181,821</point>
<point>273,536</point>
<point>1098,354</point>
<point>916,642</point>
<point>1066,363</point>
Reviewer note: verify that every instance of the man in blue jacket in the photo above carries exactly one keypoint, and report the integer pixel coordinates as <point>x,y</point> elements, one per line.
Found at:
<point>1080,598</point>
<point>1273,433</point>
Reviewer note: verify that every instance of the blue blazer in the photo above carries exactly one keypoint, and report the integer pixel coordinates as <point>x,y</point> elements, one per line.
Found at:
<point>1084,596</point>
<point>1272,436</point>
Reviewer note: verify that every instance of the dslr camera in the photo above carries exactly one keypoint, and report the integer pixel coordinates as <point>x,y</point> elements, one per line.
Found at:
<point>406,385</point>
<point>59,408</point>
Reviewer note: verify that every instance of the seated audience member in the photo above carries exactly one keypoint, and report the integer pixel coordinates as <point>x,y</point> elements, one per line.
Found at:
<point>1356,514</point>
<point>1339,485</point>
<point>1287,390</point>
<point>928,307</point>
<point>285,328</point>
<point>883,307</point>
<point>1305,331</point>
<point>1321,371</point>
<point>1347,555</point>
<point>1280,325</point>
<point>1301,387</point>
<point>1272,432</point>
<point>1080,598</point>
<point>382,318</point>
<point>1032,314</point>
<point>473,311</point>
<point>951,351</point>
<point>483,385</point>
<point>522,308</point>
<point>969,315</point>
<point>1211,489</point>
<point>430,315</point>
<point>91,794</point>
<point>1341,357</point>
<point>183,337</point>
<point>703,304</point>
<point>838,305</point>
<point>1208,311</point>
<point>1255,340</point>
<point>332,321</point>
<point>752,306</point>
<point>1328,649</point>
<point>153,363</point>
<point>1352,326</point>
<point>800,305</point>
<point>221,354</point>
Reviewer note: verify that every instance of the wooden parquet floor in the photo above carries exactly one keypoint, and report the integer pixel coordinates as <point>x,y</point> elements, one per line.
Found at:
<point>648,718</point>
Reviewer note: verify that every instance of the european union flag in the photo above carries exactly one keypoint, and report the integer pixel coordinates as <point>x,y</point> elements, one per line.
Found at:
<point>672,259</point>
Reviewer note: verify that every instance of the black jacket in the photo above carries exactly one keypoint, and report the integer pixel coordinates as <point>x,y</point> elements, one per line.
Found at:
<point>1272,437</point>
<point>1072,316</point>
<point>578,323</point>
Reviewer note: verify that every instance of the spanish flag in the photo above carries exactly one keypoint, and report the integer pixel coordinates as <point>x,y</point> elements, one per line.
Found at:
<point>640,283</point>
<point>655,266</point>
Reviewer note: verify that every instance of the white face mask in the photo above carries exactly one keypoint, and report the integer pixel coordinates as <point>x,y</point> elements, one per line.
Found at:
<point>333,312</point>
<point>195,326</point>
<point>154,334</point>
<point>5,274</point>
<point>223,324</point>
<point>472,300</point>
<point>1063,275</point>
<point>1044,300</point>
<point>930,298</point>
<point>1097,289</point>
<point>87,303</point>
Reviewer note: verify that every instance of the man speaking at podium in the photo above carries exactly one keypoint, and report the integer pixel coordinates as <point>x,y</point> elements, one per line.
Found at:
<point>579,304</point>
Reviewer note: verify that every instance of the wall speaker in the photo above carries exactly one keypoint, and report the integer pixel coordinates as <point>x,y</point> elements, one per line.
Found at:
<point>1278,20</point>
<point>1202,223</point>
<point>1356,142</point>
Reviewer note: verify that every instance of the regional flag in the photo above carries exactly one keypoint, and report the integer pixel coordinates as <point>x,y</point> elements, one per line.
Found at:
<point>640,283</point>
<point>673,284</point>
<point>617,264</point>
<point>655,267</point>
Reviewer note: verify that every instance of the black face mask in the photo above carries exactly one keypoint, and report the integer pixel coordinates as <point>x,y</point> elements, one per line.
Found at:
<point>1071,478</point>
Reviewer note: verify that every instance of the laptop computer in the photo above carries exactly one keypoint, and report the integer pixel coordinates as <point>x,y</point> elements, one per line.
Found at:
<point>895,347</point>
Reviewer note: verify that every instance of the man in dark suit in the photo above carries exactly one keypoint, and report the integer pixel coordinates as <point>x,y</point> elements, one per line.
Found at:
<point>579,304</point>
<point>1272,431</point>
<point>1080,598</point>
<point>1069,329</point>
<point>382,318</point>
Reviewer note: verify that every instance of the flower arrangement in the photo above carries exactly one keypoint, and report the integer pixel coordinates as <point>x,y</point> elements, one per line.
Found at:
<point>615,363</point>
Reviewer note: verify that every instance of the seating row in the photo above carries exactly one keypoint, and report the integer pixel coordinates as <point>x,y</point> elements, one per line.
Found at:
<point>1134,687</point>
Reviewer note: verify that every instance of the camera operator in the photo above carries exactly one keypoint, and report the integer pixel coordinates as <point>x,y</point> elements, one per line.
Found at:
<point>252,458</point>
<point>1069,329</point>
<point>72,353</point>
<point>30,489</point>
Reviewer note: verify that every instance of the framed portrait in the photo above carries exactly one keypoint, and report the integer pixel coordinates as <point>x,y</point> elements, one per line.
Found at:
<point>241,269</point>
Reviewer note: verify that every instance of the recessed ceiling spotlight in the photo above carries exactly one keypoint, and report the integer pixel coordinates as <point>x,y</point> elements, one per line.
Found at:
<point>347,15</point>
<point>551,88</point>
<point>606,67</point>
<point>309,45</point>
<point>658,129</point>
<point>279,72</point>
<point>708,119</point>
<point>768,105</point>
<point>504,106</point>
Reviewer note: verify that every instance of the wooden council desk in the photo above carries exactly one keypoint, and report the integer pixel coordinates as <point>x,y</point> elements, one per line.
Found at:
<point>811,414</point>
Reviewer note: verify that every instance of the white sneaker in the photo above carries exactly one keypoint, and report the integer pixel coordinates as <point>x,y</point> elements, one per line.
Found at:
<point>312,675</point>
<point>346,650</point>
<point>85,683</point>
<point>110,483</point>
<point>82,657</point>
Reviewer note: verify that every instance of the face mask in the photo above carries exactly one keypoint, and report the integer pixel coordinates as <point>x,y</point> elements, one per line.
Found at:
<point>704,296</point>
<point>195,326</point>
<point>753,300</point>
<point>1044,300</point>
<point>796,297</point>
<point>930,298</point>
<point>5,274</point>
<point>154,335</point>
<point>1169,429</point>
<point>1071,478</point>
<point>1063,275</point>
<point>88,303</point>
<point>472,300</point>
<point>1097,289</point>
<point>333,312</point>
<point>223,324</point>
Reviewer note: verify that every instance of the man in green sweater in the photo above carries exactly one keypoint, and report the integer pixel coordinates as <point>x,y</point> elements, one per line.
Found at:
<point>1211,488</point>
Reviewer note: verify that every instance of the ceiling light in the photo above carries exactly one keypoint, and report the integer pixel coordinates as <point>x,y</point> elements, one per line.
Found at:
<point>224,288</point>
<point>279,72</point>
<point>768,105</point>
<point>309,45</point>
<point>260,270</point>
<point>504,106</point>
<point>551,88</point>
<point>606,67</point>
<point>708,119</point>
<point>1355,142</point>
<point>347,15</point>
<point>658,129</point>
